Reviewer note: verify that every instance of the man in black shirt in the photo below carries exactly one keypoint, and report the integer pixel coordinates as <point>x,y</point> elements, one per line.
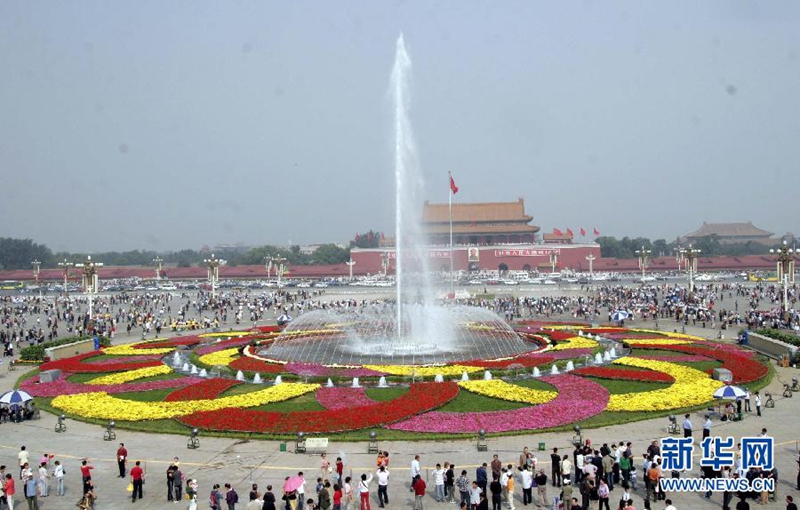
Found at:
<point>555,468</point>
<point>497,490</point>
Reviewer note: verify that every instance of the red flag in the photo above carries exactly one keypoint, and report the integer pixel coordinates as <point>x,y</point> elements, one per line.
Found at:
<point>557,232</point>
<point>596,232</point>
<point>383,237</point>
<point>453,186</point>
<point>358,238</point>
<point>583,232</point>
<point>569,232</point>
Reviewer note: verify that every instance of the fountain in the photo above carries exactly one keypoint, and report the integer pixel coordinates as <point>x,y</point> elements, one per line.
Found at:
<point>464,376</point>
<point>355,382</point>
<point>240,376</point>
<point>536,372</point>
<point>329,384</point>
<point>554,370</point>
<point>414,330</point>
<point>438,378</point>
<point>278,380</point>
<point>598,359</point>
<point>257,379</point>
<point>487,376</point>
<point>203,373</point>
<point>607,356</point>
<point>176,359</point>
<point>185,367</point>
<point>570,366</point>
<point>613,352</point>
<point>193,371</point>
<point>382,382</point>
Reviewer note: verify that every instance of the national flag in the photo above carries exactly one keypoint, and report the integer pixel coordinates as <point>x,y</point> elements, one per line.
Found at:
<point>569,232</point>
<point>453,186</point>
<point>557,232</point>
<point>358,238</point>
<point>583,232</point>
<point>596,232</point>
<point>383,237</point>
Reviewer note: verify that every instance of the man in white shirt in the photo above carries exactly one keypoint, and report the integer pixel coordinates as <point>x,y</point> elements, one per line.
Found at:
<point>566,470</point>
<point>438,479</point>
<point>758,404</point>
<point>669,506</point>
<point>415,471</point>
<point>383,486</point>
<point>707,427</point>
<point>687,426</point>
<point>23,459</point>
<point>301,492</point>
<point>527,485</point>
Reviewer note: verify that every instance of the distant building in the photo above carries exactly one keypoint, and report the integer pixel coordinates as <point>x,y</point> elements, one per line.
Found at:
<point>553,238</point>
<point>730,233</point>
<point>483,223</point>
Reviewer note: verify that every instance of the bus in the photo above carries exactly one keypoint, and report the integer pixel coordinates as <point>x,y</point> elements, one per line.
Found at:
<point>10,285</point>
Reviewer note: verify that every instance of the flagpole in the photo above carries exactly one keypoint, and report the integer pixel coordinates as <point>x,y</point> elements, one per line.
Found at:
<point>450,211</point>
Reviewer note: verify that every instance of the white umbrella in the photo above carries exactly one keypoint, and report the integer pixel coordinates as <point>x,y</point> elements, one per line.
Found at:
<point>619,316</point>
<point>15,397</point>
<point>730,393</point>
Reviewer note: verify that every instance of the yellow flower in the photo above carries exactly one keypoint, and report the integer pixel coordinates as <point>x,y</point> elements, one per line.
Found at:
<point>496,388</point>
<point>424,371</point>
<point>655,341</point>
<point>130,375</point>
<point>691,388</point>
<point>576,342</point>
<point>103,406</point>
<point>131,350</point>
<point>223,357</point>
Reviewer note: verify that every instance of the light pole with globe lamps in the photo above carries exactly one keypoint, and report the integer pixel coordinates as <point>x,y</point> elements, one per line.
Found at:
<point>688,256</point>
<point>213,264</point>
<point>785,270</point>
<point>158,261</point>
<point>350,263</point>
<point>36,268</point>
<point>644,259</point>
<point>65,268</point>
<point>90,280</point>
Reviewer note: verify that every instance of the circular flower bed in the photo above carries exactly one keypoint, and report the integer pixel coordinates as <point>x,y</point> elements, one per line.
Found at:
<point>561,383</point>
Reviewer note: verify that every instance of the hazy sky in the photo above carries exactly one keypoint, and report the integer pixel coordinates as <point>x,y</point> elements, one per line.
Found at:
<point>162,125</point>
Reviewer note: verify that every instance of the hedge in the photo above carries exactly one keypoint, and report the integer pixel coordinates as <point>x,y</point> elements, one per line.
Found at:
<point>36,352</point>
<point>789,338</point>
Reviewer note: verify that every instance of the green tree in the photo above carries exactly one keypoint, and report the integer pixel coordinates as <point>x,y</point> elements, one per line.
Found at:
<point>369,239</point>
<point>19,253</point>
<point>330,254</point>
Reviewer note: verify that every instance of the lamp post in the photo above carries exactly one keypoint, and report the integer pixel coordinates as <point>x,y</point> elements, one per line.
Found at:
<point>785,271</point>
<point>385,263</point>
<point>688,256</point>
<point>158,261</point>
<point>350,264</point>
<point>213,273</point>
<point>280,267</point>
<point>36,267</point>
<point>553,260</point>
<point>90,279</point>
<point>65,268</point>
<point>268,265</point>
<point>644,259</point>
<point>591,259</point>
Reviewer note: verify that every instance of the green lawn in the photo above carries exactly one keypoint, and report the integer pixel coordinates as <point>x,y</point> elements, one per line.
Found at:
<point>384,394</point>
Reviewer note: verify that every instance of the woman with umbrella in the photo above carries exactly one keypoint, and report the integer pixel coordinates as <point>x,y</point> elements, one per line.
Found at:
<point>290,486</point>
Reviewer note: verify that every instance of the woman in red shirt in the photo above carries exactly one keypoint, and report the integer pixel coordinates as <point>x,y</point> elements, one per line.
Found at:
<point>9,490</point>
<point>337,497</point>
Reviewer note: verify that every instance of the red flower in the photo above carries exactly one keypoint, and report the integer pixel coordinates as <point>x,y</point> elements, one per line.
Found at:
<point>420,398</point>
<point>208,389</point>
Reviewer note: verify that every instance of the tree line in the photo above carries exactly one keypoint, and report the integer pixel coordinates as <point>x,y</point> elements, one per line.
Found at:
<point>710,246</point>
<point>19,253</point>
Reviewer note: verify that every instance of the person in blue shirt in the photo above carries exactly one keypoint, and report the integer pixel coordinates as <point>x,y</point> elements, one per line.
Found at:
<point>481,477</point>
<point>31,487</point>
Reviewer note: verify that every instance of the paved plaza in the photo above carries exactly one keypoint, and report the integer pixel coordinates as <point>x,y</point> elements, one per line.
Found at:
<point>241,462</point>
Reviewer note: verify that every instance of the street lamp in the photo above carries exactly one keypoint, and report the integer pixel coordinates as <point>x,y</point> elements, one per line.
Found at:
<point>553,260</point>
<point>280,267</point>
<point>90,279</point>
<point>591,258</point>
<point>109,434</point>
<point>158,261</point>
<point>385,263</point>
<point>350,263</point>
<point>785,270</point>
<point>60,425</point>
<point>213,273</point>
<point>688,256</point>
<point>644,259</point>
<point>36,267</point>
<point>194,442</point>
<point>65,268</point>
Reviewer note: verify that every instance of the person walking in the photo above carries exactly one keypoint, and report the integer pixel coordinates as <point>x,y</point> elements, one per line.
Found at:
<point>10,491</point>
<point>758,404</point>
<point>171,481</point>
<point>747,398</point>
<point>363,491</point>
<point>324,496</point>
<point>415,471</point>
<point>496,490</point>
<point>482,477</point>
<point>31,490</point>
<point>58,474</point>
<point>555,468</point>
<point>122,458</point>
<point>44,480</point>
<point>603,495</point>
<point>527,484</point>
<point>510,488</point>
<point>541,488</point>
<point>231,497</point>
<point>463,488</point>
<point>419,492</point>
<point>23,459</point>
<point>191,493</point>
<point>383,486</point>
<point>687,426</point>
<point>707,427</point>
<point>86,474</point>
<point>137,479</point>
<point>438,478</point>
